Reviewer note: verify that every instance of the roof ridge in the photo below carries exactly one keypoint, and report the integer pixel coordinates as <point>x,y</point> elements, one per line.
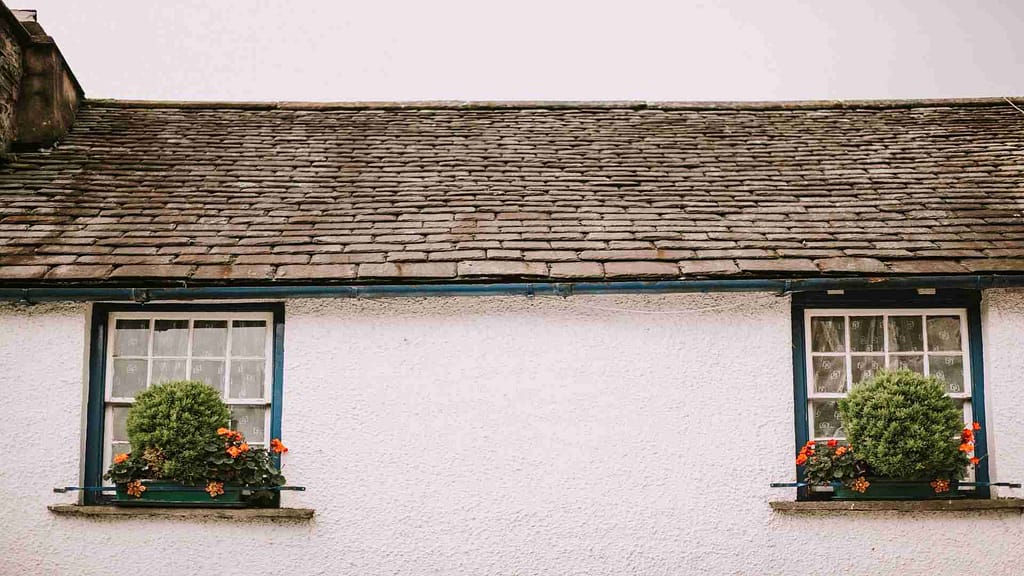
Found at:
<point>559,104</point>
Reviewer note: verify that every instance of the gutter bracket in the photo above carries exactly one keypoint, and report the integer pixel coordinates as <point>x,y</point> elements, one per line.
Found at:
<point>141,295</point>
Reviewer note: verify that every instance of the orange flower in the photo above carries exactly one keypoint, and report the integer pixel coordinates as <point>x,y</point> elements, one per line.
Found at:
<point>120,458</point>
<point>215,488</point>
<point>812,443</point>
<point>833,443</point>
<point>975,460</point>
<point>233,451</point>
<point>860,485</point>
<point>280,448</point>
<point>966,447</point>
<point>841,450</point>
<point>244,447</point>
<point>976,426</point>
<point>940,485</point>
<point>223,431</point>
<point>136,488</point>
<point>801,459</point>
<point>237,435</point>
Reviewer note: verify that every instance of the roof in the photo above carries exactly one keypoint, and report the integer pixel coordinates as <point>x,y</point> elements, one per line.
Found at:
<point>206,193</point>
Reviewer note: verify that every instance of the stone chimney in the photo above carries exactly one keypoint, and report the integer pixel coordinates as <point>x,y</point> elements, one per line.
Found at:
<point>39,95</point>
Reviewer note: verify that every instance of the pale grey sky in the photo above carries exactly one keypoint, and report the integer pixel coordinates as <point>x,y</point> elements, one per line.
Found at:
<point>547,49</point>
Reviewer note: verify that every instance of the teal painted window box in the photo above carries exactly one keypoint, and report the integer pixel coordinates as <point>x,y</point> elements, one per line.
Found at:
<point>173,494</point>
<point>886,489</point>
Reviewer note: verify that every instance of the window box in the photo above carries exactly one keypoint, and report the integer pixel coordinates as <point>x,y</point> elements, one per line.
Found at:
<point>884,489</point>
<point>160,493</point>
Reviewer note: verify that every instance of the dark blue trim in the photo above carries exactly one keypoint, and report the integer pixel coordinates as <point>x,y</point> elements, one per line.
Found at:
<point>948,298</point>
<point>38,293</point>
<point>97,374</point>
<point>800,421</point>
<point>277,388</point>
<point>978,391</point>
<point>95,404</point>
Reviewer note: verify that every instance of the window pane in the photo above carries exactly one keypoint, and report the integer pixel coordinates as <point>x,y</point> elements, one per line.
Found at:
<point>866,334</point>
<point>120,448</point>
<point>119,423</point>
<point>246,379</point>
<point>944,333</point>
<point>129,378</point>
<point>829,373</point>
<point>250,422</point>
<point>828,334</point>
<point>248,337</point>
<point>912,363</point>
<point>170,338</point>
<point>905,334</point>
<point>865,367</point>
<point>826,420</point>
<point>168,370</point>
<point>210,338</point>
<point>949,369</point>
<point>131,338</point>
<point>211,372</point>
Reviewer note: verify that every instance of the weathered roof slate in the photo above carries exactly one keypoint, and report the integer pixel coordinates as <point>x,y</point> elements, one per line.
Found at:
<point>250,193</point>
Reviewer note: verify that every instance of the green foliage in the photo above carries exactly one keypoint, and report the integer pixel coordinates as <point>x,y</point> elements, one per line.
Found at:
<point>177,432</point>
<point>904,427</point>
<point>246,466</point>
<point>829,462</point>
<point>133,468</point>
<point>177,420</point>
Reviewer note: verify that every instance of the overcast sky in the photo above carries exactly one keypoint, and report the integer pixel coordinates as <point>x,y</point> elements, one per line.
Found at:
<point>550,49</point>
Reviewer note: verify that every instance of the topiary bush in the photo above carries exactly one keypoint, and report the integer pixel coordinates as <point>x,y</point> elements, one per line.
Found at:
<point>170,426</point>
<point>904,427</point>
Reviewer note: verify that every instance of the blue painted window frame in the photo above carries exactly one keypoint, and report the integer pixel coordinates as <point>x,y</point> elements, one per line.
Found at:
<point>98,341</point>
<point>909,299</point>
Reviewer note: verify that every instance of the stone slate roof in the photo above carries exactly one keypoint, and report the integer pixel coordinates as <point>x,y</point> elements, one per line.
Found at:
<point>152,193</point>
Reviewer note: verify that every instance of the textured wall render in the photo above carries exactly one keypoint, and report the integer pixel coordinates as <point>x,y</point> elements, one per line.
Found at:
<point>505,436</point>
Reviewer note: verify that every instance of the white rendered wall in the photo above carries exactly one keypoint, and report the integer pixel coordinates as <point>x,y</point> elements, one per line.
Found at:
<point>506,436</point>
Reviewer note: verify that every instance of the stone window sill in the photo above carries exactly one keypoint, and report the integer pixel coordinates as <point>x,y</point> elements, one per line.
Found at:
<point>236,514</point>
<point>860,506</point>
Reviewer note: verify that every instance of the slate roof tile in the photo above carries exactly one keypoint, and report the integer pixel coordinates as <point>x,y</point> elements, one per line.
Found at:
<point>143,193</point>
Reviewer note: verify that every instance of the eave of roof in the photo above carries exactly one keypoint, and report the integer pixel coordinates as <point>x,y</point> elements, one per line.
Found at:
<point>753,105</point>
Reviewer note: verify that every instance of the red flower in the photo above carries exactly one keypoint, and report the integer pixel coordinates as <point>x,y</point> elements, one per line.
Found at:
<point>801,459</point>
<point>280,448</point>
<point>966,447</point>
<point>976,426</point>
<point>833,443</point>
<point>975,460</point>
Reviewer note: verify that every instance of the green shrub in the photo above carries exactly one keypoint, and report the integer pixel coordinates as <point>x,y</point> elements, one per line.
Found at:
<point>170,426</point>
<point>904,427</point>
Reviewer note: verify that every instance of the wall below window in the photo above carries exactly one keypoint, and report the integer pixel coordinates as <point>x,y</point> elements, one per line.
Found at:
<point>507,436</point>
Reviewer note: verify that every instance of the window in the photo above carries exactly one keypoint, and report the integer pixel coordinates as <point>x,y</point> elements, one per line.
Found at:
<point>233,349</point>
<point>846,347</point>
<point>843,339</point>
